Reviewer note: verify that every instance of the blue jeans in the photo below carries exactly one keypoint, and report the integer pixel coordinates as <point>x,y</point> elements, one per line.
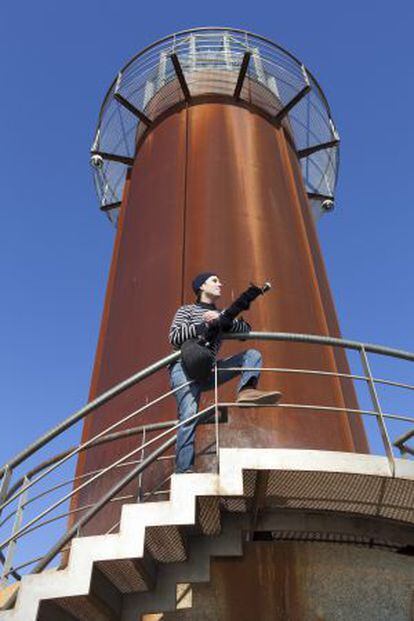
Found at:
<point>188,397</point>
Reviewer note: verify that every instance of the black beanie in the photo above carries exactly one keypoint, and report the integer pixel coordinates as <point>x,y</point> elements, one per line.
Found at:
<point>200,279</point>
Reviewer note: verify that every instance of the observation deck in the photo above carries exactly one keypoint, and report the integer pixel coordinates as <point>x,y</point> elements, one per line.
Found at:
<point>169,535</point>
<point>214,65</point>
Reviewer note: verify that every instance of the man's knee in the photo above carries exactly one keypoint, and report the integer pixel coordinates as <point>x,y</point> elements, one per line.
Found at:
<point>254,356</point>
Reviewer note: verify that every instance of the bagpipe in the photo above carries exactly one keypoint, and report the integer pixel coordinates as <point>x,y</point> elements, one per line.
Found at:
<point>196,354</point>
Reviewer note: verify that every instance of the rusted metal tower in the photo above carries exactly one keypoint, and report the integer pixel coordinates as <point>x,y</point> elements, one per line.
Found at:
<point>216,150</point>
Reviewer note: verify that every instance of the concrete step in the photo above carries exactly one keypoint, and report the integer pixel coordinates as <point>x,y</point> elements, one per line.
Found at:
<point>153,531</point>
<point>108,573</point>
<point>195,570</point>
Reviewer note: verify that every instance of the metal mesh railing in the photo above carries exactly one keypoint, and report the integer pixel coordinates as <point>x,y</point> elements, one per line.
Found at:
<point>211,61</point>
<point>37,486</point>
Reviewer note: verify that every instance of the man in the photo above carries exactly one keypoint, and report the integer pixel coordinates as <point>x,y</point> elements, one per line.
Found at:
<point>191,321</point>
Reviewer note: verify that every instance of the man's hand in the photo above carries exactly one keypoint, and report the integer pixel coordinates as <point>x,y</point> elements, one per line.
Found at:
<point>210,315</point>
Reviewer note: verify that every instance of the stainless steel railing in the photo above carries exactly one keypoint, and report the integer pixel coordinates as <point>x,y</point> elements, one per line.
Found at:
<point>30,493</point>
<point>213,61</point>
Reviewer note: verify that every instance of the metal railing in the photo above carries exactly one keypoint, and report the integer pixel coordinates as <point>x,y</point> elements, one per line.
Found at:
<point>31,500</point>
<point>243,67</point>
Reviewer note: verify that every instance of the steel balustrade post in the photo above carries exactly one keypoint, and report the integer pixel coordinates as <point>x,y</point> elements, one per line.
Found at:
<point>141,474</point>
<point>4,485</point>
<point>11,549</point>
<point>4,491</point>
<point>216,415</point>
<point>377,407</point>
<point>4,488</point>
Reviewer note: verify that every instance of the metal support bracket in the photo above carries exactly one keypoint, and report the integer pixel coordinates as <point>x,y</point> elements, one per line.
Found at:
<point>317,147</point>
<point>128,105</point>
<point>180,75</point>
<point>110,206</point>
<point>242,75</point>
<point>296,99</point>
<point>292,103</point>
<point>135,111</point>
<point>113,157</point>
<point>319,197</point>
<point>401,443</point>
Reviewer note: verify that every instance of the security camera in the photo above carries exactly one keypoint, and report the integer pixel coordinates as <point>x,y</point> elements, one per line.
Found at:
<point>328,205</point>
<point>97,161</point>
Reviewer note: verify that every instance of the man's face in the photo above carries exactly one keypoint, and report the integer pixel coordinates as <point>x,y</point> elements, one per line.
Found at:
<point>212,287</point>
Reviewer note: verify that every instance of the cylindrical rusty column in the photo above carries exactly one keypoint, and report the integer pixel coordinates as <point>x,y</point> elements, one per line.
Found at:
<point>224,146</point>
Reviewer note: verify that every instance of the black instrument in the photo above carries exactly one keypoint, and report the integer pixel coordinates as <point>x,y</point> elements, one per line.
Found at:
<point>198,358</point>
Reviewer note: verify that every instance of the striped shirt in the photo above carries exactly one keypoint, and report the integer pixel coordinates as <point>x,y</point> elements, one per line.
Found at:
<point>188,323</point>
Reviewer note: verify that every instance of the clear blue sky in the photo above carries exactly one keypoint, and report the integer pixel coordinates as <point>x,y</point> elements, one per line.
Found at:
<point>57,60</point>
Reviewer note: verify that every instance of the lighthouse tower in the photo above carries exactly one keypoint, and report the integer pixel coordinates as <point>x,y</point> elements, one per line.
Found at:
<point>216,150</point>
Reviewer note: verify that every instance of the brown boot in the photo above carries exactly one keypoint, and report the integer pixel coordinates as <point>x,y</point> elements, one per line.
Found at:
<point>258,397</point>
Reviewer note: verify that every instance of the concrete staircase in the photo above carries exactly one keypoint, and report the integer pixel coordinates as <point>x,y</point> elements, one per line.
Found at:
<point>159,545</point>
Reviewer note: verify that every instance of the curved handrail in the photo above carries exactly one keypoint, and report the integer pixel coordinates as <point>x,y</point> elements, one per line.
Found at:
<point>137,95</point>
<point>325,340</point>
<point>211,29</point>
<point>361,347</point>
<point>163,362</point>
